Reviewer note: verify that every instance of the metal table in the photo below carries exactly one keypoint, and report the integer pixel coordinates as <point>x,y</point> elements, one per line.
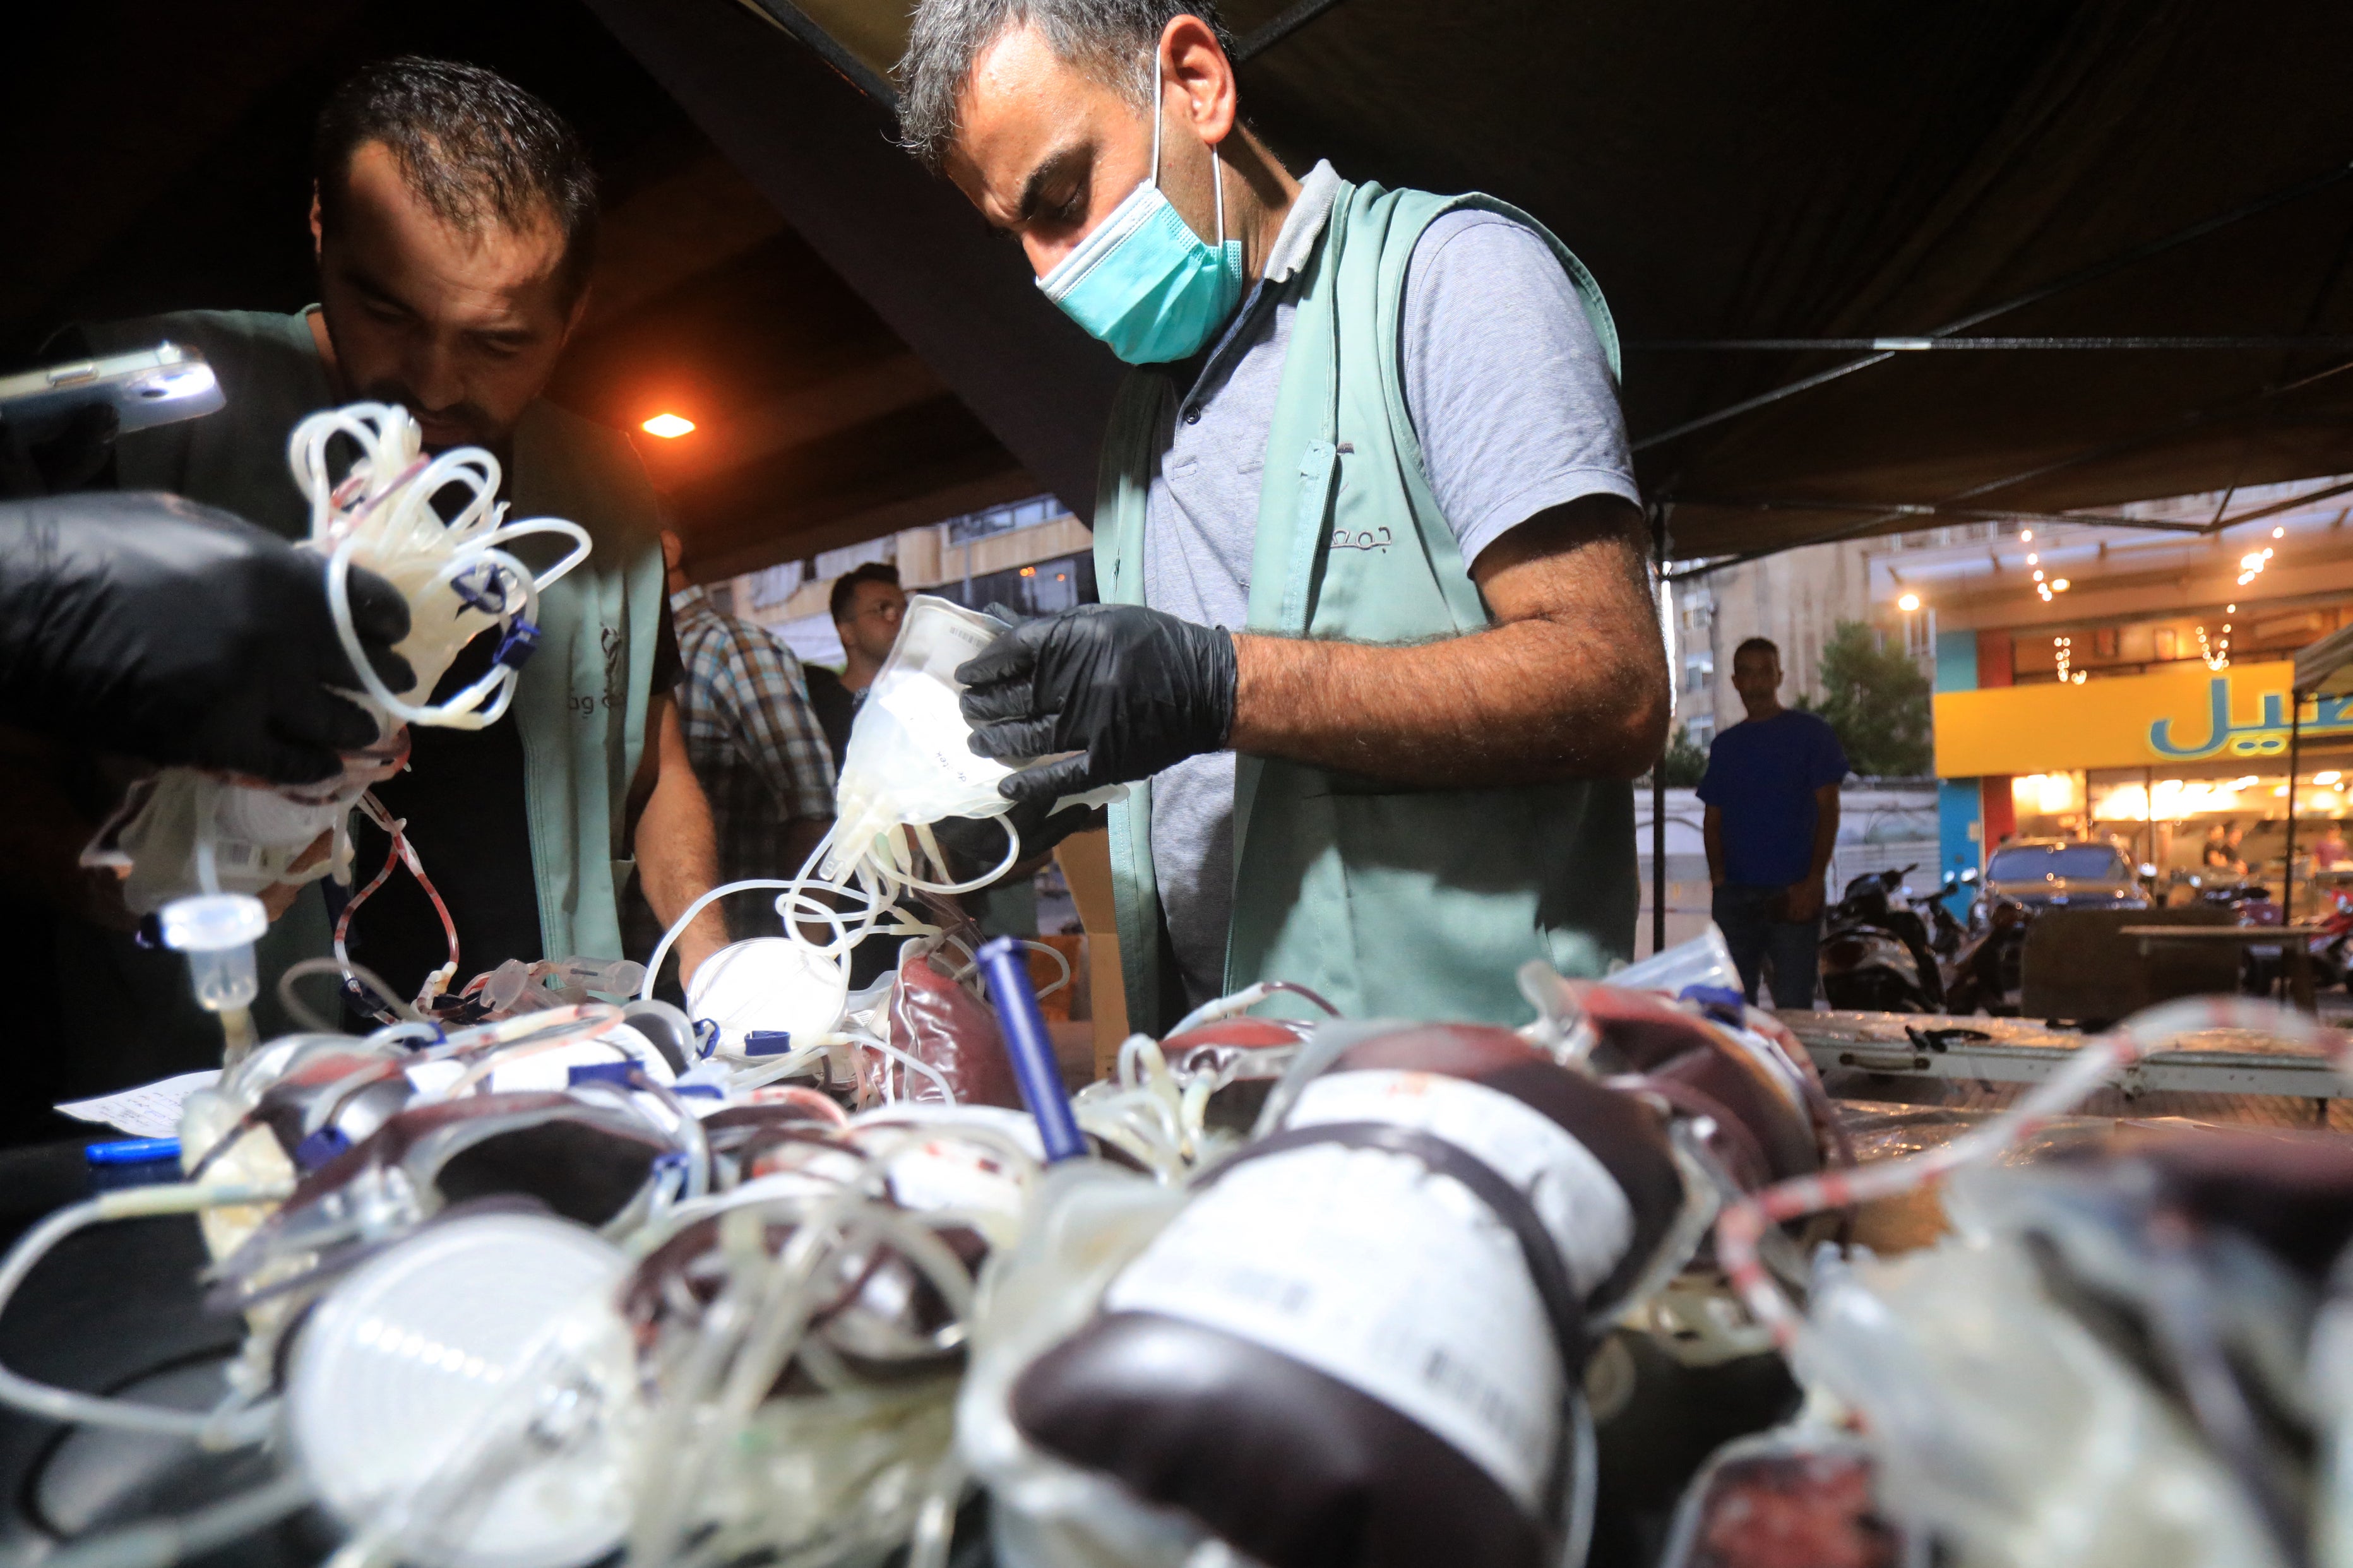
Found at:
<point>2025,1050</point>
<point>2291,940</point>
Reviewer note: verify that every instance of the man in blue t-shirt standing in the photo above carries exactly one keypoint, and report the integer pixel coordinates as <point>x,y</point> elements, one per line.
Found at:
<point>1772,798</point>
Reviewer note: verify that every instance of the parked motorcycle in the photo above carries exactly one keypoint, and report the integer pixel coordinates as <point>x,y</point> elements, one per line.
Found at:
<point>2329,955</point>
<point>1986,973</point>
<point>1875,949</point>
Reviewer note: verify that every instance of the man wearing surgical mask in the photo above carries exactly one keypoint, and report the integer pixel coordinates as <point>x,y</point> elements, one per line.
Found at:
<point>1378,650</point>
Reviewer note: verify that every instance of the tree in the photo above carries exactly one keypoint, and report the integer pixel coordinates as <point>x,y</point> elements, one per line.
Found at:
<point>1684,763</point>
<point>1876,700</point>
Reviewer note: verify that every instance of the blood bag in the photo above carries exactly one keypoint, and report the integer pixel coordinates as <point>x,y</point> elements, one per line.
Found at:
<point>936,1020</point>
<point>910,761</point>
<point>1366,1327</point>
<point>185,831</point>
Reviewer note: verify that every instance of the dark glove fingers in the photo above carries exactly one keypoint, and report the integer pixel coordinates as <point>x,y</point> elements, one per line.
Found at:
<point>998,700</point>
<point>79,453</point>
<point>1013,655</point>
<point>1061,824</point>
<point>1016,742</point>
<point>308,714</point>
<point>379,610</point>
<point>283,762</point>
<point>348,726</point>
<point>246,734</point>
<point>1045,784</point>
<point>379,616</point>
<point>392,669</point>
<point>969,845</point>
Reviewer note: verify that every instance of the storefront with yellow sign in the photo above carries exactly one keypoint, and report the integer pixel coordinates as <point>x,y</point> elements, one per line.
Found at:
<point>2186,768</point>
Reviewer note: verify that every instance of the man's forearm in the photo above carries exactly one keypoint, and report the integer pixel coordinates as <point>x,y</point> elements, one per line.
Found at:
<point>1529,702</point>
<point>1571,682</point>
<point>1826,827</point>
<point>678,862</point>
<point>678,846</point>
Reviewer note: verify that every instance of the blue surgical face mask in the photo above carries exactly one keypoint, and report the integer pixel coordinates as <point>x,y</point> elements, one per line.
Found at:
<point>1143,281</point>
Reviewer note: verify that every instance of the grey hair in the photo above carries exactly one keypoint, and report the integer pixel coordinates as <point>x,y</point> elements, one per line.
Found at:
<point>1107,40</point>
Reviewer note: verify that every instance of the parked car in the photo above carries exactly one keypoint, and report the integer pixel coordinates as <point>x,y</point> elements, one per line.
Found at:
<point>2064,873</point>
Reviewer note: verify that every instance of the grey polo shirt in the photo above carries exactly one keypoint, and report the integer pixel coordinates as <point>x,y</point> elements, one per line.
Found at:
<point>1516,410</point>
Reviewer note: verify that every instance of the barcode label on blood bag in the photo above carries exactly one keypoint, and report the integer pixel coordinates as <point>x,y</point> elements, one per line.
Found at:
<point>1363,1265</point>
<point>1284,1295</point>
<point>1462,1382</point>
<point>235,852</point>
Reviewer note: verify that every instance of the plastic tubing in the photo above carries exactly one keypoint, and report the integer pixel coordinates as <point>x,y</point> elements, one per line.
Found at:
<point>972,965</point>
<point>1742,1226</point>
<point>917,1064</point>
<point>305,968</point>
<point>462,712</point>
<point>491,1045</point>
<point>387,503</point>
<point>66,1405</point>
<point>1242,1001</point>
<point>158,1544</point>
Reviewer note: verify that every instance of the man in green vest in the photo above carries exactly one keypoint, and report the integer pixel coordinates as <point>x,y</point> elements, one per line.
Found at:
<point>1378,650</point>
<point>453,217</point>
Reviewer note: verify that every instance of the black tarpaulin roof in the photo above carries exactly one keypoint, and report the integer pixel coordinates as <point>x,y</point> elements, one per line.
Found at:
<point>1735,173</point>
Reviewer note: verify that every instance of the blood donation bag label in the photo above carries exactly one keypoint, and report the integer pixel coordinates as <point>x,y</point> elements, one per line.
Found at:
<point>1572,1191</point>
<point>1374,1271</point>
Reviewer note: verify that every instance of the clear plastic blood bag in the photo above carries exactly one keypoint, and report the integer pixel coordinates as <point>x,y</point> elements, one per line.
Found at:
<point>1358,1346</point>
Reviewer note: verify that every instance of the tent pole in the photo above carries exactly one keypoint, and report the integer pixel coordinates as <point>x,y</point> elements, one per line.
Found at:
<point>1659,768</point>
<point>2287,877</point>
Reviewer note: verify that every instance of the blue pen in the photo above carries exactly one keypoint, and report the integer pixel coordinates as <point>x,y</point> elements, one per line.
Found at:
<point>133,1152</point>
<point>1032,1050</point>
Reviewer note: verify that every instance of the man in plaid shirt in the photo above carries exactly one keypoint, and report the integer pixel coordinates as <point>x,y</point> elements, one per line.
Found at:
<point>753,742</point>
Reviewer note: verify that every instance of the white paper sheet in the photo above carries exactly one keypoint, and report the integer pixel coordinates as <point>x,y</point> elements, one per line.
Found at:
<point>151,1110</point>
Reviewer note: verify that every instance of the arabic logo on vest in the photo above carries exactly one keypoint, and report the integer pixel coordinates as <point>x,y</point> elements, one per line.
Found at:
<point>1373,539</point>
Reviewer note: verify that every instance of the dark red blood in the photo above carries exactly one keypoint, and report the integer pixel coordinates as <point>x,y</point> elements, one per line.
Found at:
<point>1703,1073</point>
<point>1248,1032</point>
<point>1291,1467</point>
<point>935,1020</point>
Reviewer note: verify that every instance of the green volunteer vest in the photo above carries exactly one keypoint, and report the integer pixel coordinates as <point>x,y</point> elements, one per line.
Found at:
<point>1391,902</point>
<point>581,704</point>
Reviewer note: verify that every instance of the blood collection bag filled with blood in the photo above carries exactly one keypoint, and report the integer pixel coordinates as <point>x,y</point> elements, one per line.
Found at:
<point>1368,1327</point>
<point>936,1020</point>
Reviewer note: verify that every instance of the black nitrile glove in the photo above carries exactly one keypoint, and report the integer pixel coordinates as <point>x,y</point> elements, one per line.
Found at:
<point>61,456</point>
<point>1133,689</point>
<point>975,845</point>
<point>149,624</point>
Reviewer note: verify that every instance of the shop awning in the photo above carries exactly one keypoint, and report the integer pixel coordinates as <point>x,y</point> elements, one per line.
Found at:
<point>2146,203</point>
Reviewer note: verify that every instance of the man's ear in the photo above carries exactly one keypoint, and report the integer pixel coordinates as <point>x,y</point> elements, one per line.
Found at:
<point>1191,56</point>
<point>579,311</point>
<point>318,229</point>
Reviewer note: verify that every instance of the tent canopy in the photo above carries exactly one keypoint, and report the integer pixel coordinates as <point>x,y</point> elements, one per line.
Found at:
<point>1739,177</point>
<point>862,357</point>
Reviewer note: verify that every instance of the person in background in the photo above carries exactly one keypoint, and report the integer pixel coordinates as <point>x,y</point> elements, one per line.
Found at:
<point>2222,842</point>
<point>453,221</point>
<point>2330,850</point>
<point>755,746</point>
<point>1772,797</point>
<point>868,604</point>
